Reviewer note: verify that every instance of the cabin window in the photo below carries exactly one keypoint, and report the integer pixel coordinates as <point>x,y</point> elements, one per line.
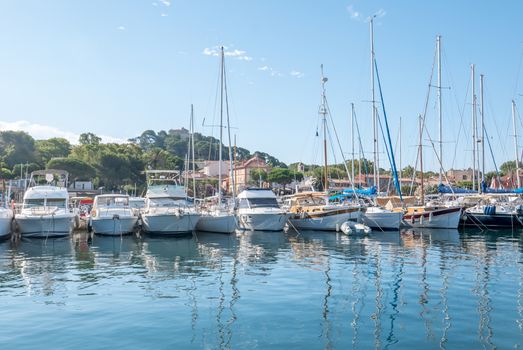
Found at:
<point>263,203</point>
<point>164,202</point>
<point>56,202</point>
<point>311,201</point>
<point>31,203</point>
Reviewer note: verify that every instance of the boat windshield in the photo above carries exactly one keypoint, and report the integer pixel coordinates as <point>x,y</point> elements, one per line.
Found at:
<point>113,201</point>
<point>263,203</point>
<point>36,202</point>
<point>165,202</point>
<point>56,202</point>
<point>311,201</point>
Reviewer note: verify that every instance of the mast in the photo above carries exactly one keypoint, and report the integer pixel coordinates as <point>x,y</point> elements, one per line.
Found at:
<point>482,132</point>
<point>231,169</point>
<point>421,158</point>
<point>352,140</point>
<point>474,129</point>
<point>374,121</point>
<point>221,129</point>
<point>192,151</point>
<point>516,155</point>
<point>440,112</point>
<point>323,112</point>
<point>400,151</point>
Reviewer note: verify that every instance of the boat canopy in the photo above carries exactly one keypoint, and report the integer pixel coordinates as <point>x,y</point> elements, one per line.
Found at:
<point>256,193</point>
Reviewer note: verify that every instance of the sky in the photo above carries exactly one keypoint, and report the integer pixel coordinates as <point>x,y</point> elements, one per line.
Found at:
<point>119,67</point>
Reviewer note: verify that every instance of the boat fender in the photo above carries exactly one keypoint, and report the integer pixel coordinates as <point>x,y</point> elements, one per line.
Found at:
<point>421,219</point>
<point>430,217</point>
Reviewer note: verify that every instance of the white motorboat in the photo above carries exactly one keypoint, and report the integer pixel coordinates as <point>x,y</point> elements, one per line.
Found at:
<point>6,222</point>
<point>45,211</point>
<point>259,211</point>
<point>381,219</point>
<point>429,216</point>
<point>312,211</point>
<point>167,210</point>
<point>111,215</point>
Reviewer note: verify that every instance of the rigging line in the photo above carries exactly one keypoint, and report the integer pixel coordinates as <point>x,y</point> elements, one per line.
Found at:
<point>218,81</point>
<point>516,85</point>
<point>423,118</point>
<point>362,152</point>
<point>384,141</point>
<point>341,150</point>
<point>392,161</point>
<point>491,111</point>
<point>492,154</point>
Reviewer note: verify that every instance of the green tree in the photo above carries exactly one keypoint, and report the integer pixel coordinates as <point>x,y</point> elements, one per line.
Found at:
<point>5,174</point>
<point>509,166</point>
<point>52,148</point>
<point>89,138</point>
<point>280,176</point>
<point>16,147</point>
<point>258,175</point>
<point>77,169</point>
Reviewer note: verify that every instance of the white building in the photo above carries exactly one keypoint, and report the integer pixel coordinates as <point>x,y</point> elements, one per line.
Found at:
<point>211,168</point>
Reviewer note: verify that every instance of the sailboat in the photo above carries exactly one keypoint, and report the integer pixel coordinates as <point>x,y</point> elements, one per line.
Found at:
<point>218,216</point>
<point>430,215</point>
<point>312,210</point>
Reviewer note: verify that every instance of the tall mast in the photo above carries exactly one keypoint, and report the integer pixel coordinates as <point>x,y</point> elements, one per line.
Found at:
<point>482,131</point>
<point>220,147</point>
<point>400,151</point>
<point>421,158</point>
<point>440,112</point>
<point>323,112</point>
<point>231,168</point>
<point>352,140</point>
<point>192,150</point>
<point>474,129</point>
<point>374,121</point>
<point>516,154</point>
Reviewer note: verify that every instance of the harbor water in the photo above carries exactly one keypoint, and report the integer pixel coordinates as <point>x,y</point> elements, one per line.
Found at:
<point>439,289</point>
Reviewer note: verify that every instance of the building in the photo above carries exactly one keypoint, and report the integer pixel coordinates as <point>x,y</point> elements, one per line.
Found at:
<point>456,175</point>
<point>211,168</point>
<point>242,173</point>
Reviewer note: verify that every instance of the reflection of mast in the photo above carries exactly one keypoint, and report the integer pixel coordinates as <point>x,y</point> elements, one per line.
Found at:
<point>379,306</point>
<point>391,339</point>
<point>327,324</point>
<point>484,308</point>
<point>356,289</point>
<point>424,296</point>
<point>444,299</point>
<point>234,298</point>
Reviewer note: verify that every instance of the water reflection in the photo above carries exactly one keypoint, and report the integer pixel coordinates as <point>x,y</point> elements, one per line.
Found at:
<point>415,288</point>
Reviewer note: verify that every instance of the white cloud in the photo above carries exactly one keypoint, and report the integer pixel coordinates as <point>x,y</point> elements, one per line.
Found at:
<point>121,28</point>
<point>236,54</point>
<point>42,132</point>
<point>165,2</point>
<point>264,68</point>
<point>164,15</point>
<point>297,74</point>
<point>155,4</point>
<point>355,15</point>
<point>359,16</point>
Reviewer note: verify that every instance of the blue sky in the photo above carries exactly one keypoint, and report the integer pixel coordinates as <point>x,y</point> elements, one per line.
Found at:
<point>118,67</point>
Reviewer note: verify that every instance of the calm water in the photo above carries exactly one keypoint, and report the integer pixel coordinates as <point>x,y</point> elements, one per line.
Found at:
<point>408,290</point>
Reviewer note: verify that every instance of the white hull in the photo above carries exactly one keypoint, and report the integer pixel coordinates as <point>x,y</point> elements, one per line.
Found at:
<point>324,222</point>
<point>382,220</point>
<point>442,218</point>
<point>45,226</point>
<point>169,224</point>
<point>262,222</point>
<point>114,227</point>
<point>5,226</point>
<point>225,223</point>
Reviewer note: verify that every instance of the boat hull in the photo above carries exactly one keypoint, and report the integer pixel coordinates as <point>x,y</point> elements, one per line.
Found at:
<point>45,226</point>
<point>217,223</point>
<point>262,222</point>
<point>501,220</point>
<point>382,221</point>
<point>439,218</point>
<point>5,227</point>
<point>114,226</point>
<point>169,224</point>
<point>326,221</point>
